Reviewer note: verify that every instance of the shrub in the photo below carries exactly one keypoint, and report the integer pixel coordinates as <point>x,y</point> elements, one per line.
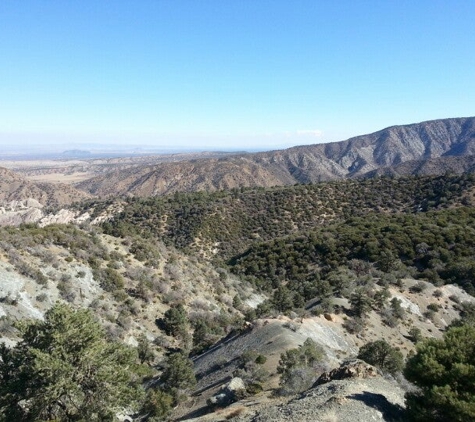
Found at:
<point>261,360</point>
<point>176,321</point>
<point>418,287</point>
<point>158,404</point>
<point>433,307</point>
<point>297,367</point>
<point>354,325</point>
<point>415,334</point>
<point>109,279</point>
<point>382,355</point>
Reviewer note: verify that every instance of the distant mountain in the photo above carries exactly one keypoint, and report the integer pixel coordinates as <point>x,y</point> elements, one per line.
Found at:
<point>14,187</point>
<point>421,148</point>
<point>76,153</point>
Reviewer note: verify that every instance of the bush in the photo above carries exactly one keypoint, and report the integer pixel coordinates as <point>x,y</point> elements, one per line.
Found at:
<point>109,279</point>
<point>415,335</point>
<point>158,404</point>
<point>176,321</point>
<point>297,367</point>
<point>433,307</point>
<point>419,287</point>
<point>382,355</point>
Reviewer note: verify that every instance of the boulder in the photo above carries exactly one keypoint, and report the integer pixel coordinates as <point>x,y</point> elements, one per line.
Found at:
<point>229,393</point>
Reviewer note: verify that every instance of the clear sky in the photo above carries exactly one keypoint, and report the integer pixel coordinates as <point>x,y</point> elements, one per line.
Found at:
<point>226,74</point>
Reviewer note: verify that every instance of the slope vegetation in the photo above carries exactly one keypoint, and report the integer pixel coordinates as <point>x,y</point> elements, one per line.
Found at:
<point>224,224</point>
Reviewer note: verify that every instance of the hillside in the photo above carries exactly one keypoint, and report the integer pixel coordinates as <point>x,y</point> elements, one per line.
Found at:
<point>128,283</point>
<point>415,144</point>
<point>69,168</point>
<point>224,224</point>
<point>131,283</point>
<point>14,187</point>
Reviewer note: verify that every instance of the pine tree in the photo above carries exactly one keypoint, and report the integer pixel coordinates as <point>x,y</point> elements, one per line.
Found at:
<point>444,370</point>
<point>65,369</point>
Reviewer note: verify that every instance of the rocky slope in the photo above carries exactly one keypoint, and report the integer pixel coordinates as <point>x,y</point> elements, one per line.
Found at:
<point>40,266</point>
<point>14,187</point>
<point>416,144</point>
<point>361,398</point>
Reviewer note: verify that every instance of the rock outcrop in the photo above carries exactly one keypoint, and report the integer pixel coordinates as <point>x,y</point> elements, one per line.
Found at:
<point>355,368</point>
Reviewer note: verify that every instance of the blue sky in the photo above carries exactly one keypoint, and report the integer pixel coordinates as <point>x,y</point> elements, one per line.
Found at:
<point>239,74</point>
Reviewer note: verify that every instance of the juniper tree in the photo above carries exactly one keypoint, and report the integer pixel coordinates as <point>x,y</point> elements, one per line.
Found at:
<point>382,355</point>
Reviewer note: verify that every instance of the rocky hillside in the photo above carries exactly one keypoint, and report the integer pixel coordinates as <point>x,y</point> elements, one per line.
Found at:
<point>415,144</point>
<point>355,392</point>
<point>128,283</point>
<point>131,283</point>
<point>14,187</point>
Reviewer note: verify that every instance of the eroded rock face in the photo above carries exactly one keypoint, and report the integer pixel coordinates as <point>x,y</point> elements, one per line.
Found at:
<point>355,368</point>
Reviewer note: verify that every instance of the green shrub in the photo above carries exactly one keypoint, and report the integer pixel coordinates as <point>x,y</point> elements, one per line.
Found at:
<point>382,355</point>
<point>158,404</point>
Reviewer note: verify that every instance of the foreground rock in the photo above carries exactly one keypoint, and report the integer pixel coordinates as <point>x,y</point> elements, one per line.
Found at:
<point>354,392</point>
<point>351,400</point>
<point>229,393</point>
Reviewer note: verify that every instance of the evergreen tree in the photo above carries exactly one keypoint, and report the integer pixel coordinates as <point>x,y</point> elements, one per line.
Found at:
<point>144,350</point>
<point>178,375</point>
<point>444,370</point>
<point>176,321</point>
<point>382,355</point>
<point>360,303</point>
<point>65,369</point>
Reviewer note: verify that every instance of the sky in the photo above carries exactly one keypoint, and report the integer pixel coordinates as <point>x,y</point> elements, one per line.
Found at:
<point>229,74</point>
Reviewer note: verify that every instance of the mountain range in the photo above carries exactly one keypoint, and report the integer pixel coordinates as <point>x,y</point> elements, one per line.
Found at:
<point>15,187</point>
<point>431,147</point>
